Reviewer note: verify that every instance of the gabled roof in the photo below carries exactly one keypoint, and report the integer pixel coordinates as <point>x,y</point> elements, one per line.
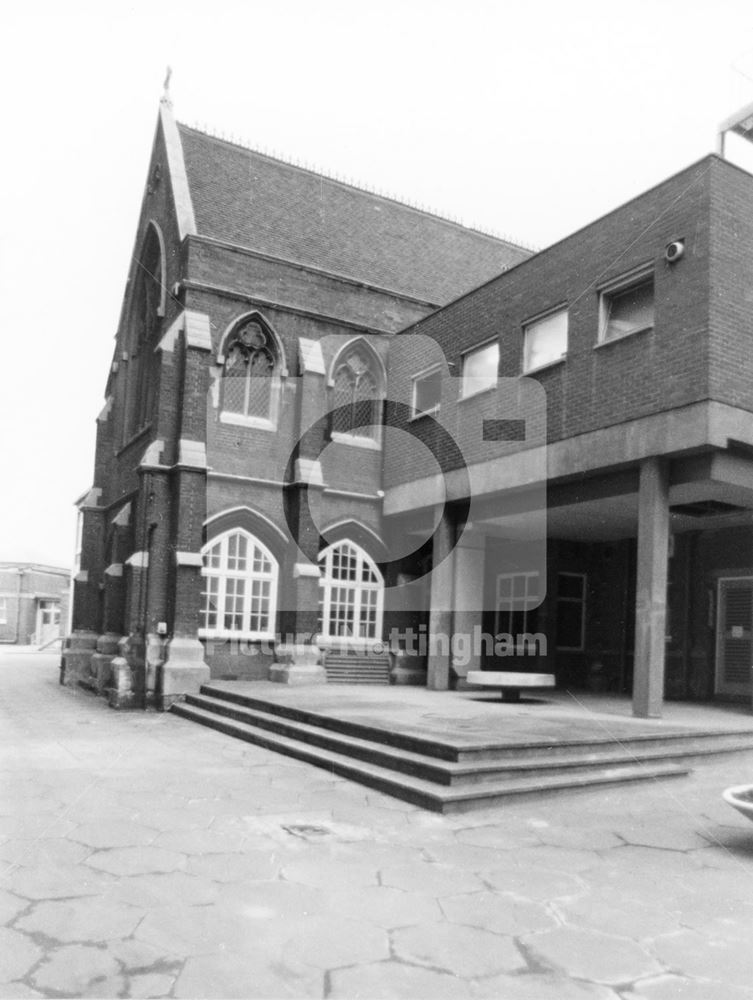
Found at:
<point>263,204</point>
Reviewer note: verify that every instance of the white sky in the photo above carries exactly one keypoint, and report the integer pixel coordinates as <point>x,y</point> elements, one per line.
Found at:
<point>529,118</point>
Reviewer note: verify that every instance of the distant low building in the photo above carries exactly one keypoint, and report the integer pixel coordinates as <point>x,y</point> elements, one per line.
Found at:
<point>33,602</point>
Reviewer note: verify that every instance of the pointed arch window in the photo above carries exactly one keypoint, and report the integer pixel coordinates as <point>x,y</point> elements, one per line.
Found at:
<point>239,592</point>
<point>351,594</point>
<point>357,393</point>
<point>147,310</point>
<point>251,376</point>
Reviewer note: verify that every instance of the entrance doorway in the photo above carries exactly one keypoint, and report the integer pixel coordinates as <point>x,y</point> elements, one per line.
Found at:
<point>515,615</point>
<point>48,621</point>
<point>734,636</point>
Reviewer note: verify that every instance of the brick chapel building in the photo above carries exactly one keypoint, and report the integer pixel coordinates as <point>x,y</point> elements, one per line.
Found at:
<point>332,418</point>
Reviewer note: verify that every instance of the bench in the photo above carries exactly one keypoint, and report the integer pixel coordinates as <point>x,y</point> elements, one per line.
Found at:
<point>508,682</point>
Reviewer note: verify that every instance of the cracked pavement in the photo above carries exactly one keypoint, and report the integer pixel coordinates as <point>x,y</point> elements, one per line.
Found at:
<point>145,856</point>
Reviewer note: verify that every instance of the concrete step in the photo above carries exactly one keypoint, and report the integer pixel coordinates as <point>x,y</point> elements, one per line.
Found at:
<point>451,773</point>
<point>359,730</point>
<point>417,790</point>
<point>381,681</point>
<point>357,676</point>
<point>674,744</point>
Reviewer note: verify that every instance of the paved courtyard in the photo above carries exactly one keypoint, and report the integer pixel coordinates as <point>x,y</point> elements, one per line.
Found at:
<point>145,856</point>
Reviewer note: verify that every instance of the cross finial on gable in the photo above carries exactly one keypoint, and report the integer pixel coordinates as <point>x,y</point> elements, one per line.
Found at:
<point>166,86</point>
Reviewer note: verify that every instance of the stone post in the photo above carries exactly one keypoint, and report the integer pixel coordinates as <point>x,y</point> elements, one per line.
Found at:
<point>651,590</point>
<point>297,656</point>
<point>441,605</point>
<point>185,349</point>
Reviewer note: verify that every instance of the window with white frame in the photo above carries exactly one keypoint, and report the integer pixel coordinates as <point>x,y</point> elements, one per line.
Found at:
<point>571,611</point>
<point>239,593</point>
<point>479,371</point>
<point>356,396</point>
<point>427,391</point>
<point>351,594</point>
<point>545,340</point>
<point>517,602</point>
<point>627,308</point>
<point>3,610</point>
<point>250,377</point>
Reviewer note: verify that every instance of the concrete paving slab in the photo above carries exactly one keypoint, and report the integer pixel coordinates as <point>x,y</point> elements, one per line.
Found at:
<point>226,871</point>
<point>592,955</point>
<point>393,980</point>
<point>494,912</point>
<point>536,987</point>
<point>18,954</point>
<point>79,970</point>
<point>466,952</point>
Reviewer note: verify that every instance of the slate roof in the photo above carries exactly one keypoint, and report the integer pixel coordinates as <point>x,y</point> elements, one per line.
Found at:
<point>261,203</point>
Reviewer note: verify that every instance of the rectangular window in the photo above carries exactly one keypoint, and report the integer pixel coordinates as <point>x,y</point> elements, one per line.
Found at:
<point>427,392</point>
<point>627,309</point>
<point>480,368</point>
<point>545,340</point>
<point>3,611</point>
<point>517,603</point>
<point>571,611</point>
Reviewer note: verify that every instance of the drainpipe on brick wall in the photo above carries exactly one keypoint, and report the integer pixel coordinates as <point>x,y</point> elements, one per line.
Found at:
<point>18,605</point>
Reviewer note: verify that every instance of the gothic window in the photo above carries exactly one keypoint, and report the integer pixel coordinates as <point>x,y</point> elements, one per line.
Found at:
<point>351,594</point>
<point>239,593</point>
<point>249,383</point>
<point>145,329</point>
<point>356,402</point>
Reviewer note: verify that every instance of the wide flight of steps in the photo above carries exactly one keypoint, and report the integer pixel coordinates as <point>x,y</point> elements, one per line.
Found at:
<point>439,776</point>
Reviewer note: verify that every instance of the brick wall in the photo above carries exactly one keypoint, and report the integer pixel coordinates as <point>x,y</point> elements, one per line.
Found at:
<point>596,386</point>
<point>731,292</point>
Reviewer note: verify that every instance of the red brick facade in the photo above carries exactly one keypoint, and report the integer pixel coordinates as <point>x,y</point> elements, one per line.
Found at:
<point>241,260</point>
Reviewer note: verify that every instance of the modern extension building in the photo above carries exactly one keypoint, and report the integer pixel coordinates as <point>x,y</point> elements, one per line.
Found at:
<point>33,602</point>
<point>335,424</point>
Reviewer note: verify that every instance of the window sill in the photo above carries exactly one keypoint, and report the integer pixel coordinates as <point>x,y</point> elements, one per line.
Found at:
<point>344,642</point>
<point>478,392</point>
<point>424,413</point>
<point>142,432</point>
<point>355,441</point>
<point>623,336</point>
<point>545,367</point>
<point>208,633</point>
<point>239,420</point>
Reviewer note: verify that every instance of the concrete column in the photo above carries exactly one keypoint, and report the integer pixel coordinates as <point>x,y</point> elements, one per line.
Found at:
<point>441,605</point>
<point>651,590</point>
<point>468,559</point>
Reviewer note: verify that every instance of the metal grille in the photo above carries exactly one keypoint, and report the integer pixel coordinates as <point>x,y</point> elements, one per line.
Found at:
<point>249,370</point>
<point>738,619</point>
<point>736,661</point>
<point>356,400</point>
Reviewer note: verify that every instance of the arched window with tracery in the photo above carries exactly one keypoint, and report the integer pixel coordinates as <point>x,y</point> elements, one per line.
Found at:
<point>250,378</point>
<point>239,592</point>
<point>351,595</point>
<point>145,329</point>
<point>357,395</point>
